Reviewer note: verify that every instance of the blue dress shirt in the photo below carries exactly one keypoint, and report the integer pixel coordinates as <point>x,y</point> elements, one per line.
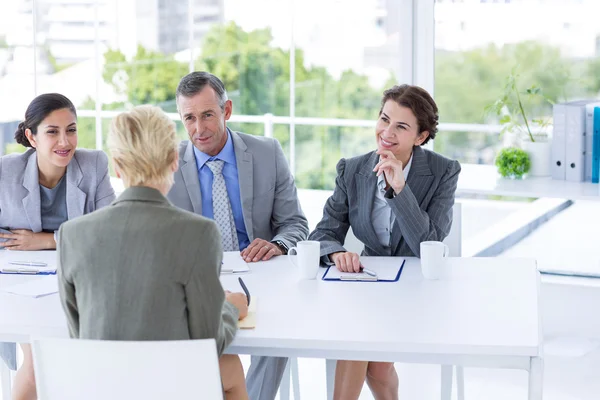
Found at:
<point>232,183</point>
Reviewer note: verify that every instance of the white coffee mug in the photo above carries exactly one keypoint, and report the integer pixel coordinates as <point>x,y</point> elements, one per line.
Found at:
<point>433,259</point>
<point>309,252</point>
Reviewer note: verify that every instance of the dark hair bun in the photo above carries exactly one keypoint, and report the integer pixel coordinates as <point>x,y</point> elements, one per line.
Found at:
<point>20,136</point>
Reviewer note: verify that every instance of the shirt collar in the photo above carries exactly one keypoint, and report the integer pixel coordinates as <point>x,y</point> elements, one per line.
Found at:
<point>226,154</point>
<point>405,171</point>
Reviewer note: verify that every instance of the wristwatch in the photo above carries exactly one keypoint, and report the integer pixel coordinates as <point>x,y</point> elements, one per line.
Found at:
<point>281,244</point>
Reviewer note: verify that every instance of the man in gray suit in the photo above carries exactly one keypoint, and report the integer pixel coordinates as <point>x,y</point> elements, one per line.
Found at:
<point>241,181</point>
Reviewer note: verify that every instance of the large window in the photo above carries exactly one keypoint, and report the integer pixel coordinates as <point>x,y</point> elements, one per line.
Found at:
<point>548,44</point>
<point>311,79</point>
<point>17,61</point>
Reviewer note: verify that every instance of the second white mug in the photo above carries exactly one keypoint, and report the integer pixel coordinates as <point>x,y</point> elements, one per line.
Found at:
<point>309,253</point>
<point>433,259</point>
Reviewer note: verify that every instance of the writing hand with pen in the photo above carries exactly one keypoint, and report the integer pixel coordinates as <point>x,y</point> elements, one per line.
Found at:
<point>241,301</point>
<point>347,261</point>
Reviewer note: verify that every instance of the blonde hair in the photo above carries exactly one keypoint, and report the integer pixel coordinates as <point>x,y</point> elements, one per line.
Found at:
<point>143,144</point>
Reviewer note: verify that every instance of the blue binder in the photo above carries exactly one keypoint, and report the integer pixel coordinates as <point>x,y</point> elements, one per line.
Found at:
<point>596,147</point>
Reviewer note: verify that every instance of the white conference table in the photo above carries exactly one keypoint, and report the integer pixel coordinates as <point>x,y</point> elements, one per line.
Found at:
<point>485,313</point>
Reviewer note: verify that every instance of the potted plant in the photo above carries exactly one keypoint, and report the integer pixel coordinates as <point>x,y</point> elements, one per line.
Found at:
<point>513,163</point>
<point>531,132</point>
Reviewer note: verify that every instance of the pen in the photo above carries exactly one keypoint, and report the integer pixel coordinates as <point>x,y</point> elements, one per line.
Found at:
<point>243,285</point>
<point>368,272</point>
<point>29,263</point>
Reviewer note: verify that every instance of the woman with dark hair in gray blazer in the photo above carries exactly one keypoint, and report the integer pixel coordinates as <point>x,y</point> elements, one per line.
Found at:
<point>40,189</point>
<point>394,198</point>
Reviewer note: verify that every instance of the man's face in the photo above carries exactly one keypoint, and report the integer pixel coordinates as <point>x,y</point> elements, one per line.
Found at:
<point>204,120</point>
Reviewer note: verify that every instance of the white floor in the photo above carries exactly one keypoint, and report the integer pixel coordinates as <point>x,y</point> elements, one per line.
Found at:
<point>566,378</point>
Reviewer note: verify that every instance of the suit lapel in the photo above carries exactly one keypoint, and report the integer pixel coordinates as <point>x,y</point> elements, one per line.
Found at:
<point>419,180</point>
<point>366,181</point>
<point>189,172</point>
<point>75,196</point>
<point>244,162</point>
<point>31,202</point>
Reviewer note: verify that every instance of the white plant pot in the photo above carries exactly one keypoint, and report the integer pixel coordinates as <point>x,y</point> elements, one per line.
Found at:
<point>539,155</point>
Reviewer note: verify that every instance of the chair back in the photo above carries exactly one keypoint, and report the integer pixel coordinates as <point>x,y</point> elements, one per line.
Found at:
<point>69,369</point>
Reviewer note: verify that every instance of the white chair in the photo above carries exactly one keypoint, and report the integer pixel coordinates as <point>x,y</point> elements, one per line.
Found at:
<point>119,370</point>
<point>5,381</point>
<point>351,243</point>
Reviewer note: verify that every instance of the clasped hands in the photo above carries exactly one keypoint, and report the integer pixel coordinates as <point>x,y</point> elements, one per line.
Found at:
<point>22,239</point>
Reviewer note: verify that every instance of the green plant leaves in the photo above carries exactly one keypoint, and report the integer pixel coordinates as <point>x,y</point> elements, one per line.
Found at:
<point>513,162</point>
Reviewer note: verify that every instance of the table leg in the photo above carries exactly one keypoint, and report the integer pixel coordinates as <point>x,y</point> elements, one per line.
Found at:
<point>330,376</point>
<point>295,374</point>
<point>446,387</point>
<point>284,387</point>
<point>460,382</point>
<point>536,378</point>
<point>5,381</point>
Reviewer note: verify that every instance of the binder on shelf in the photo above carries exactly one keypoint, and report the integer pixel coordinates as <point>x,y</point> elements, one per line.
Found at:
<point>559,117</point>
<point>575,141</point>
<point>589,139</point>
<point>596,147</point>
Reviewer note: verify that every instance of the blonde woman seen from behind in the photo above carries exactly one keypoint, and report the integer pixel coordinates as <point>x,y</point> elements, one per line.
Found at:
<point>143,269</point>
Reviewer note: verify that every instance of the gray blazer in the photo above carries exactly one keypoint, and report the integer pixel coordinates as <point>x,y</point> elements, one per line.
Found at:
<point>269,199</point>
<point>142,269</point>
<point>88,188</point>
<point>423,209</point>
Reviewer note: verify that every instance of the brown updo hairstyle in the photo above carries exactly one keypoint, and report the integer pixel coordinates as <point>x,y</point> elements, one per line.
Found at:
<point>421,104</point>
<point>38,110</point>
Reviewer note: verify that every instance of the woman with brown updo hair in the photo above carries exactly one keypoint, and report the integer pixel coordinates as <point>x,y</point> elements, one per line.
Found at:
<point>48,184</point>
<point>394,198</point>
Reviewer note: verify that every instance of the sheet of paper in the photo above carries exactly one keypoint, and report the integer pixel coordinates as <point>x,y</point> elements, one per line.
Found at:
<point>233,263</point>
<point>249,322</point>
<point>26,257</point>
<point>386,269</point>
<point>38,287</point>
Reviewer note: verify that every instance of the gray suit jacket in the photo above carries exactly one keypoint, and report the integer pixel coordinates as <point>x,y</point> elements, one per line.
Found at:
<point>88,188</point>
<point>423,209</point>
<point>142,269</point>
<point>269,199</point>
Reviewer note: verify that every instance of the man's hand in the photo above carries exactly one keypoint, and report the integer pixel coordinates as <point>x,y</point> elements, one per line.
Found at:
<point>21,239</point>
<point>239,301</point>
<point>346,261</point>
<point>392,167</point>
<point>260,250</point>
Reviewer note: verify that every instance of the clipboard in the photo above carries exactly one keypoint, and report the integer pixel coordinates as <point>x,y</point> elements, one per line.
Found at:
<point>332,274</point>
<point>23,262</point>
<point>27,272</point>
